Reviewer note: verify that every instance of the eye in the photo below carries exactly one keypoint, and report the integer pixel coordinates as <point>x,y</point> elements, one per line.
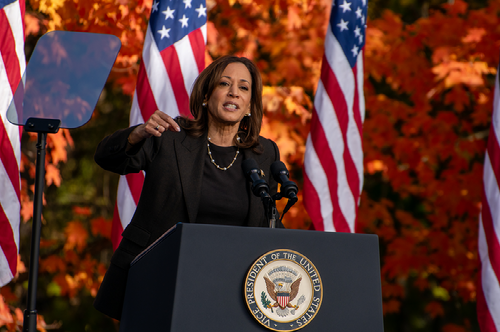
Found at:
<point>244,88</point>
<point>224,83</point>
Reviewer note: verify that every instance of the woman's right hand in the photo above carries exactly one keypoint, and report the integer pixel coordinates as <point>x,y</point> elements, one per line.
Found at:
<point>156,125</point>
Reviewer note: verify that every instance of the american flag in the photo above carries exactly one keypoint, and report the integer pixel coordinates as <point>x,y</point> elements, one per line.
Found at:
<point>12,66</point>
<point>172,57</point>
<point>333,164</point>
<point>488,291</point>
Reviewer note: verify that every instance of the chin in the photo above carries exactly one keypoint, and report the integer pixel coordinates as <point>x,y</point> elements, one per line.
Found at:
<point>231,118</point>
<point>228,119</point>
<point>231,122</point>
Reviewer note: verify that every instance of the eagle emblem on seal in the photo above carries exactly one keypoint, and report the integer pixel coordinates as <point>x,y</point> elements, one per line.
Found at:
<point>282,286</point>
<point>282,293</point>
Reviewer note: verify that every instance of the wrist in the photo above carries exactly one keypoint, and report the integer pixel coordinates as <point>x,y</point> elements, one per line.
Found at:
<point>135,137</point>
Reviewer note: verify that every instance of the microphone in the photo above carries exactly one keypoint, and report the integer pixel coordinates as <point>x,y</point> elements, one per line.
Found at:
<point>280,174</point>
<point>260,188</point>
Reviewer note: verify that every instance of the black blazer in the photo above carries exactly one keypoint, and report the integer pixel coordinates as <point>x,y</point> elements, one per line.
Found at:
<point>171,193</point>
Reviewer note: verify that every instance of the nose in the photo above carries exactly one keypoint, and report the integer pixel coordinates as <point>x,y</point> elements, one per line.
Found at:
<point>233,91</point>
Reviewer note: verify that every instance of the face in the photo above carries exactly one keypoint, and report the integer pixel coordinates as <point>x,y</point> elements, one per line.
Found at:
<point>230,100</point>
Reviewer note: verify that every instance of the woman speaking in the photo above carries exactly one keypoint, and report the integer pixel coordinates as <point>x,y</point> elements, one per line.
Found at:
<point>193,166</point>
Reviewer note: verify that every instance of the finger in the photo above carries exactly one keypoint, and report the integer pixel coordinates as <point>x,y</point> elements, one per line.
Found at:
<point>153,125</point>
<point>173,126</point>
<point>167,122</point>
<point>153,128</point>
<point>161,129</point>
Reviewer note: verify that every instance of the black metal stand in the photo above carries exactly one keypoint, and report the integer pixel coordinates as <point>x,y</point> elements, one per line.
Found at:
<point>270,209</point>
<point>273,212</point>
<point>273,216</point>
<point>42,127</point>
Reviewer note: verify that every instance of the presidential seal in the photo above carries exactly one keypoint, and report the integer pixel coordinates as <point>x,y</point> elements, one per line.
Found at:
<point>283,290</point>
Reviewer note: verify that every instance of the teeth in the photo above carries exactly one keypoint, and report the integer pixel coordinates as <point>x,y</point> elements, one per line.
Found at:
<point>231,106</point>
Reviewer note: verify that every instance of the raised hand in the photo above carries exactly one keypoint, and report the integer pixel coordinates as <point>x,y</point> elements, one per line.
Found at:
<point>156,125</point>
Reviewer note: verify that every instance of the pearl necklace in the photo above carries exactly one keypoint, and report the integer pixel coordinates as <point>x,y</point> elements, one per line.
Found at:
<point>213,161</point>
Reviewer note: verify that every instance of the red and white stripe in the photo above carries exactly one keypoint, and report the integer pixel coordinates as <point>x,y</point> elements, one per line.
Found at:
<point>12,67</point>
<point>283,300</point>
<point>333,164</point>
<point>164,83</point>
<point>488,292</point>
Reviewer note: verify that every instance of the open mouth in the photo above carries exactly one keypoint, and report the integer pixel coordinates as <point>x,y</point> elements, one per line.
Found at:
<point>230,106</point>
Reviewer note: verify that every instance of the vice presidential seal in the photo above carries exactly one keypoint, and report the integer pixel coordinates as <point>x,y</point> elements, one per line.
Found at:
<point>283,290</point>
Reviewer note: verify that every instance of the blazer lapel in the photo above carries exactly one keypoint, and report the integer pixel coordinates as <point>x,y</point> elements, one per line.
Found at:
<point>190,154</point>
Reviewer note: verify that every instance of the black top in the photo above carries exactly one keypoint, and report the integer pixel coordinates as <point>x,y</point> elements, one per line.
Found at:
<point>224,195</point>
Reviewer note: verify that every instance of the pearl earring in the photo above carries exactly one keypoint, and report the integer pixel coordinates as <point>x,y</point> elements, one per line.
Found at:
<point>248,114</point>
<point>204,104</point>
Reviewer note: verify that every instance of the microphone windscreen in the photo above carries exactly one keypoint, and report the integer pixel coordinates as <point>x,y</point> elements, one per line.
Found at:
<point>248,165</point>
<point>276,168</point>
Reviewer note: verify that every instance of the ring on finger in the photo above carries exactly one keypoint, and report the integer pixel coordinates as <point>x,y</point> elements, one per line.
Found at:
<point>157,127</point>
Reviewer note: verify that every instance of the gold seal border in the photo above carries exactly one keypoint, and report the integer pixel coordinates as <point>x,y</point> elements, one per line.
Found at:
<point>307,273</point>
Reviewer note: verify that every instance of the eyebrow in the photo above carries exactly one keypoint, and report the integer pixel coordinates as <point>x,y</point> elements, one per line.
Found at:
<point>240,79</point>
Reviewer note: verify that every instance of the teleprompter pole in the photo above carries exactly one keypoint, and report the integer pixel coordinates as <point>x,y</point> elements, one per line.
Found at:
<point>42,127</point>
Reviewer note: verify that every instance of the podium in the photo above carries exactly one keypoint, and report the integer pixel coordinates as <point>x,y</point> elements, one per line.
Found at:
<point>193,279</point>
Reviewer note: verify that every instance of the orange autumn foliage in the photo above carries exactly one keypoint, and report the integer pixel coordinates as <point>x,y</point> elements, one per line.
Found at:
<point>429,94</point>
<point>101,226</point>
<point>76,236</point>
<point>12,318</point>
<point>72,266</point>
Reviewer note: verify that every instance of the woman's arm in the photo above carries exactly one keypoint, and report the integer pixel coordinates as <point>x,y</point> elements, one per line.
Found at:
<point>114,153</point>
<point>130,150</point>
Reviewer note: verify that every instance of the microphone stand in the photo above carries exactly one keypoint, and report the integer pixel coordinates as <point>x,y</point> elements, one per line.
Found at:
<point>261,188</point>
<point>269,208</point>
<point>274,212</point>
<point>274,216</point>
<point>288,188</point>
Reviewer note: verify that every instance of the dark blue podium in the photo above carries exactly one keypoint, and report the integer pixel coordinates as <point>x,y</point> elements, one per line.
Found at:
<point>192,279</point>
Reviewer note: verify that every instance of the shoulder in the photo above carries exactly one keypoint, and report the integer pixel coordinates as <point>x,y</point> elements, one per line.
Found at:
<point>266,142</point>
<point>263,140</point>
<point>269,147</point>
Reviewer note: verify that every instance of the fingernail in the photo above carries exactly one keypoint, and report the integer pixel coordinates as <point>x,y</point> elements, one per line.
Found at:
<point>178,128</point>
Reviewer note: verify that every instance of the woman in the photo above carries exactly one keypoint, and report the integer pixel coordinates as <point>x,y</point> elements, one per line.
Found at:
<point>193,166</point>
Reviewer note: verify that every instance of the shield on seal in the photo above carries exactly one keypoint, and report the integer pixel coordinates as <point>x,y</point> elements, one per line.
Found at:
<point>283,298</point>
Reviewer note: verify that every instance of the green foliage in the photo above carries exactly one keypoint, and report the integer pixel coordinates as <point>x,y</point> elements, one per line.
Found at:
<point>265,302</point>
